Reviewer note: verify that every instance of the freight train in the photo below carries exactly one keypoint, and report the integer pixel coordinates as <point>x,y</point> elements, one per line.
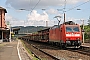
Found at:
<point>65,35</point>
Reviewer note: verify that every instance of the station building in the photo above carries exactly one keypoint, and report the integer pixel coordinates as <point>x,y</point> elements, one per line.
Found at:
<point>4,31</point>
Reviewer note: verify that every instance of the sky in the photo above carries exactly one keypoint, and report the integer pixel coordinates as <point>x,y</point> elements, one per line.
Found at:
<point>37,12</point>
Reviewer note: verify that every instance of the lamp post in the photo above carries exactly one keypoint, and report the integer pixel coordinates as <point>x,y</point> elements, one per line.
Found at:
<point>46,21</point>
<point>22,9</point>
<point>82,28</point>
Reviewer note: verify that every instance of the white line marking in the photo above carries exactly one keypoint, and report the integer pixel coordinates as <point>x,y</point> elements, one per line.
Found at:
<point>18,50</point>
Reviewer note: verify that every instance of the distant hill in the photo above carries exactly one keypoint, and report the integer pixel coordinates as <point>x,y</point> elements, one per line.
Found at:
<point>29,29</point>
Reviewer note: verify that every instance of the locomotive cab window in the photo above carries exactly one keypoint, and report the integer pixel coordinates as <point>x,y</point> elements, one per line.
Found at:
<point>76,29</point>
<point>72,29</point>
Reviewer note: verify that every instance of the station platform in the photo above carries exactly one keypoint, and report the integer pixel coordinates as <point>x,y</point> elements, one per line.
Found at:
<point>86,45</point>
<point>13,50</point>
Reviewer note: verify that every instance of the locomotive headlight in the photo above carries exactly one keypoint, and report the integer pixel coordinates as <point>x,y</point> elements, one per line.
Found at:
<point>78,38</point>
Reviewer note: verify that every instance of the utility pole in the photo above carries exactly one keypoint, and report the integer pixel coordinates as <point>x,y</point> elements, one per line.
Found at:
<point>64,17</point>
<point>83,30</point>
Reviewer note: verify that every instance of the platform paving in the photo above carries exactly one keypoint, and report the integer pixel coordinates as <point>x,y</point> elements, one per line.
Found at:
<point>86,45</point>
<point>13,50</point>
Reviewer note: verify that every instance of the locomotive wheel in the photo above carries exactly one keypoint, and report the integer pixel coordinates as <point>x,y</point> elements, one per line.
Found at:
<point>63,46</point>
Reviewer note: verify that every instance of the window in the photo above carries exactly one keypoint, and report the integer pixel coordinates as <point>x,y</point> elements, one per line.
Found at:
<point>76,29</point>
<point>72,29</point>
<point>68,29</point>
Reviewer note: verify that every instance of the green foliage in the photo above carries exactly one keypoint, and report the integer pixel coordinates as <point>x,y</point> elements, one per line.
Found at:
<point>87,32</point>
<point>30,29</point>
<point>86,36</point>
<point>87,28</point>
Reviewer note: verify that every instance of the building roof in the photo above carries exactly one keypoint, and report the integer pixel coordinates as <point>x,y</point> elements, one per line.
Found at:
<point>15,29</point>
<point>1,8</point>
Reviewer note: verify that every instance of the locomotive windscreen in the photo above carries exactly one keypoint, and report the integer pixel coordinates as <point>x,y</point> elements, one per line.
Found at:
<point>72,29</point>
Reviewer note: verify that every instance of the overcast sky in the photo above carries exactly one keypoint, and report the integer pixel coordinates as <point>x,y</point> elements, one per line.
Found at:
<point>37,12</point>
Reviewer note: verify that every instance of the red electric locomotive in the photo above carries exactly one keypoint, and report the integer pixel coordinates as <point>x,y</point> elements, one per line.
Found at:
<point>67,34</point>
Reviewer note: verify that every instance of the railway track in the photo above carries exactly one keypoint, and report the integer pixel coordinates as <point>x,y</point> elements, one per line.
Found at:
<point>52,57</point>
<point>82,50</point>
<point>39,53</point>
<point>45,51</point>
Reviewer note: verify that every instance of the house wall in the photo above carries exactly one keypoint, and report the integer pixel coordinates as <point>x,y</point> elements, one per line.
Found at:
<point>3,30</point>
<point>2,19</point>
<point>0,34</point>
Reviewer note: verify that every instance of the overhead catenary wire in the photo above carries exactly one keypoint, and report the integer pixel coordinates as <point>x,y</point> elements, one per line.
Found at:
<point>78,5</point>
<point>64,6</point>
<point>71,8</point>
<point>35,6</point>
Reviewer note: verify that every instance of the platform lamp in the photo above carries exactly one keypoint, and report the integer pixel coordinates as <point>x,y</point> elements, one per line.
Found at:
<point>83,27</point>
<point>22,9</point>
<point>46,21</point>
